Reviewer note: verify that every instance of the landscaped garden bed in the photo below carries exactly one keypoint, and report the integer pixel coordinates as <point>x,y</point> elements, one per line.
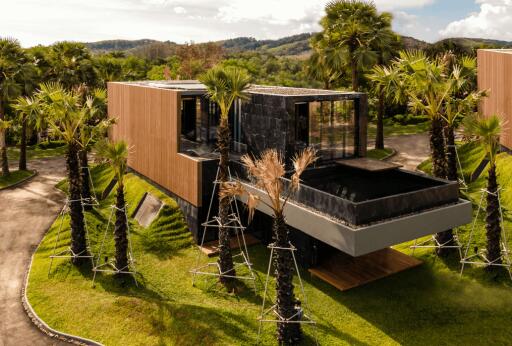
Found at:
<point>427,305</point>
<point>15,178</point>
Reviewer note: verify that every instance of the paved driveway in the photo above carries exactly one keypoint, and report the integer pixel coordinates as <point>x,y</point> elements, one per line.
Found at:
<point>26,213</point>
<point>411,149</point>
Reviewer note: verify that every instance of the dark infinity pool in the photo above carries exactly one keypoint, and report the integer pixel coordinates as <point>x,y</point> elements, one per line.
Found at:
<point>359,196</point>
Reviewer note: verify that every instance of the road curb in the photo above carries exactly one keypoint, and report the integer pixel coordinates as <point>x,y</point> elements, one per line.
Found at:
<point>390,155</point>
<point>23,181</point>
<point>39,323</point>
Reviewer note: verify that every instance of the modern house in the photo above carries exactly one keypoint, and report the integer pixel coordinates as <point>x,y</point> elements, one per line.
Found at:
<point>495,75</point>
<point>347,204</point>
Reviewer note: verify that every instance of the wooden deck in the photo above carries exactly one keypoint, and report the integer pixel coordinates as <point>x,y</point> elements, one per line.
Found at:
<point>211,248</point>
<point>345,272</point>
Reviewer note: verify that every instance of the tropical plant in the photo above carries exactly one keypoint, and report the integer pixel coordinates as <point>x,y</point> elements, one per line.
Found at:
<point>268,172</point>
<point>325,63</point>
<point>116,154</point>
<point>66,115</point>
<point>14,70</point>
<point>359,30</point>
<point>225,86</point>
<point>72,65</point>
<point>487,130</point>
<point>29,115</point>
<point>94,128</point>
<point>4,125</point>
<point>386,85</point>
<point>463,100</point>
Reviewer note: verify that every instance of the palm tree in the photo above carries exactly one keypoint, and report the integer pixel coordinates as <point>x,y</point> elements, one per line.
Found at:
<point>325,63</point>
<point>116,154</point>
<point>487,131</point>
<point>4,125</point>
<point>65,115</point>
<point>462,100</point>
<point>12,60</point>
<point>225,85</point>
<point>268,172</point>
<point>357,28</point>
<point>385,80</point>
<point>29,115</point>
<point>94,127</point>
<point>72,65</point>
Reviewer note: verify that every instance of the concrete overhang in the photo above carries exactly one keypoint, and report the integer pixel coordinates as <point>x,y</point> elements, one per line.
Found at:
<point>361,240</point>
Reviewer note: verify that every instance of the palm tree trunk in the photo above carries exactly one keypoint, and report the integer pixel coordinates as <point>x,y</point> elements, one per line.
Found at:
<point>437,147</point>
<point>225,257</point>
<point>492,220</point>
<point>22,164</point>
<point>84,177</point>
<point>3,145</point>
<point>287,333</point>
<point>78,237</point>
<point>379,139</point>
<point>355,75</point>
<point>120,231</point>
<point>451,155</point>
<point>3,149</point>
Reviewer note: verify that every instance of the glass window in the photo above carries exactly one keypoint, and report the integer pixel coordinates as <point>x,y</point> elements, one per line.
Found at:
<point>331,128</point>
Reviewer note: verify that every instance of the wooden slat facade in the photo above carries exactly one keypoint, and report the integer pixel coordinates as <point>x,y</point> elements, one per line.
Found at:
<point>149,120</point>
<point>495,74</point>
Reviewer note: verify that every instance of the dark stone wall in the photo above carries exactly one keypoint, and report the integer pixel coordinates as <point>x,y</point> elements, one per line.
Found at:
<point>265,123</point>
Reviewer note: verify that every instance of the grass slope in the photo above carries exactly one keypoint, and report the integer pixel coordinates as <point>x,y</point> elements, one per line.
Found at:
<point>428,305</point>
<point>14,177</point>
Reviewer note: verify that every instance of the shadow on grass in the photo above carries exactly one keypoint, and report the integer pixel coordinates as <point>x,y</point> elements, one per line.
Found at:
<point>175,323</point>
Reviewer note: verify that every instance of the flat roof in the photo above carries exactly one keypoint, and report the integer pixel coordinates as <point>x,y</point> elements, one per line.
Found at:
<point>504,51</point>
<point>196,87</point>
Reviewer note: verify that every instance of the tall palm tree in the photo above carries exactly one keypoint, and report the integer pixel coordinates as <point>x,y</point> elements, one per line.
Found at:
<point>66,115</point>
<point>4,125</point>
<point>268,172</point>
<point>29,115</point>
<point>72,65</point>
<point>116,154</point>
<point>487,131</point>
<point>225,85</point>
<point>94,128</point>
<point>12,61</point>
<point>386,82</point>
<point>356,27</point>
<point>325,63</point>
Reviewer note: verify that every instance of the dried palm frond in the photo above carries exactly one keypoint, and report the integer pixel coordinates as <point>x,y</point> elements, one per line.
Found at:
<point>252,203</point>
<point>300,163</point>
<point>230,189</point>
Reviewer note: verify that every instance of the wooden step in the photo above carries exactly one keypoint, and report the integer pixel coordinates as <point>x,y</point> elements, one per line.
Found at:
<point>212,248</point>
<point>345,272</point>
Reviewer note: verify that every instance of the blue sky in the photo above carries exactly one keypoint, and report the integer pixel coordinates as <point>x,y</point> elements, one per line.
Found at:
<point>44,22</point>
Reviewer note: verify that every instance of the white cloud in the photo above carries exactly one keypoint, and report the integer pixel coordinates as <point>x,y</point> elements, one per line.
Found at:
<point>494,20</point>
<point>35,21</point>
<point>387,5</point>
<point>180,10</point>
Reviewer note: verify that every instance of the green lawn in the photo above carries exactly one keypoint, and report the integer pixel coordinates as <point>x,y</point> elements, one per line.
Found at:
<point>38,151</point>
<point>398,130</point>
<point>428,305</point>
<point>378,154</point>
<point>14,177</point>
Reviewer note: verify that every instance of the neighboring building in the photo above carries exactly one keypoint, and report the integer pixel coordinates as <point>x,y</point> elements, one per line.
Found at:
<point>347,202</point>
<point>495,74</point>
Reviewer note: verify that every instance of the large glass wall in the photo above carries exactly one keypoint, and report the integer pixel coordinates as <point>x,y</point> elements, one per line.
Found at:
<point>331,128</point>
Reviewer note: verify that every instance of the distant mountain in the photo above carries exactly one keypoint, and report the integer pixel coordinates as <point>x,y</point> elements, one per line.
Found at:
<point>117,45</point>
<point>296,45</point>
